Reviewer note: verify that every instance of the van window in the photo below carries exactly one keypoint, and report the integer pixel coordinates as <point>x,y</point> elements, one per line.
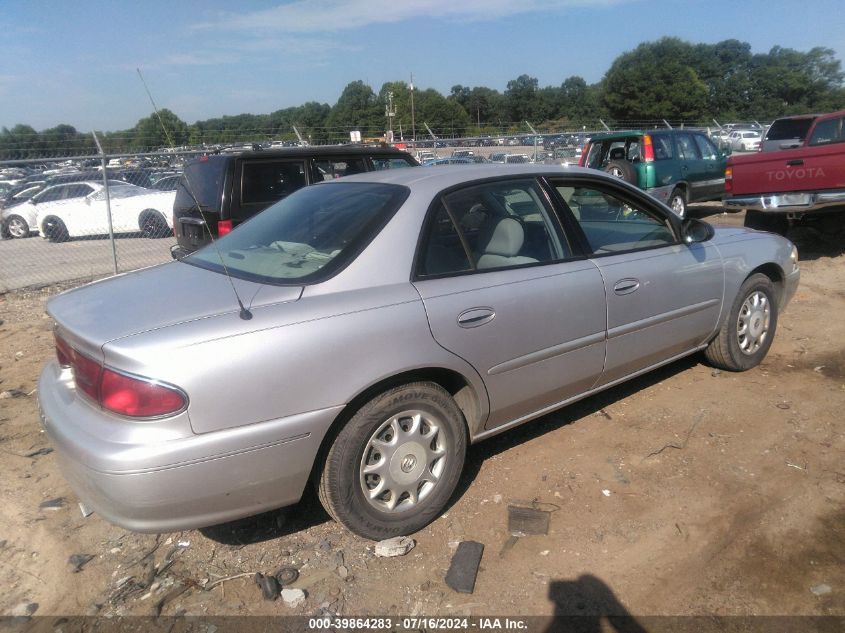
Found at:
<point>264,182</point>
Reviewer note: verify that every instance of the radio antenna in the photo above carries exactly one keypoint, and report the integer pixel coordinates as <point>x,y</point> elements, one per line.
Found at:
<point>244,313</point>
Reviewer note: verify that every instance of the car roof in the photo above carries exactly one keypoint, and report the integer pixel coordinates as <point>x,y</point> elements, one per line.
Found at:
<point>316,150</point>
<point>444,176</point>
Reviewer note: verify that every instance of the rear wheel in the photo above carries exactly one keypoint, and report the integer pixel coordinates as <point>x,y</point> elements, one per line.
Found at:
<point>623,170</point>
<point>54,229</point>
<point>17,227</point>
<point>678,202</point>
<point>747,333</point>
<point>393,467</point>
<point>153,225</point>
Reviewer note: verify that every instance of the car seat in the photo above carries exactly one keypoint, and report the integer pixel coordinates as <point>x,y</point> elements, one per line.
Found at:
<point>502,243</point>
<point>617,153</point>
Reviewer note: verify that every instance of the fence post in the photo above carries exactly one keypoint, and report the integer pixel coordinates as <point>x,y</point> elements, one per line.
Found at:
<point>108,200</point>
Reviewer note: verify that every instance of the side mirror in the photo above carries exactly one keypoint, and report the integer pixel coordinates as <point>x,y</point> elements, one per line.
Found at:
<point>695,231</point>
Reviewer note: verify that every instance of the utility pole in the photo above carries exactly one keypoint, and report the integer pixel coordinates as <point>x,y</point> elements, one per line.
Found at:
<point>389,112</point>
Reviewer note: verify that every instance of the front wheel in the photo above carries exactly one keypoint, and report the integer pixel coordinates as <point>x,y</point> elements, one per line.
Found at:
<point>678,203</point>
<point>54,229</point>
<point>393,467</point>
<point>746,335</point>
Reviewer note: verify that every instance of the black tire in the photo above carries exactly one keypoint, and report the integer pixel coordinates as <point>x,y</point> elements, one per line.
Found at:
<point>678,202</point>
<point>726,350</point>
<point>16,227</point>
<point>341,480</point>
<point>54,229</point>
<point>771,222</point>
<point>623,170</point>
<point>154,226</point>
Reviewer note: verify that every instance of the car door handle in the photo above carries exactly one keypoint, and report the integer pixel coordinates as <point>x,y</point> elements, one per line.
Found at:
<point>626,286</point>
<point>475,317</point>
<point>795,162</point>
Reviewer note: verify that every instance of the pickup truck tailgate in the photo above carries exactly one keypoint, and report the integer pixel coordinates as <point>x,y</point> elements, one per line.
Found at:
<point>802,169</point>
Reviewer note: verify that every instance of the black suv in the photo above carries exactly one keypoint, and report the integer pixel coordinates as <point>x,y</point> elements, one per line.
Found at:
<point>218,192</point>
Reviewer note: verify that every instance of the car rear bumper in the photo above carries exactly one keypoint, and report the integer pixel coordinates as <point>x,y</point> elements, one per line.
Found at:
<point>195,481</point>
<point>802,202</point>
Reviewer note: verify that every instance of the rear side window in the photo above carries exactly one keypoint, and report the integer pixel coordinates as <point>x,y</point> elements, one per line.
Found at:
<point>789,129</point>
<point>491,226</point>
<point>686,147</point>
<point>707,149</point>
<point>381,163</point>
<point>663,149</point>
<point>827,131</point>
<point>265,182</point>
<point>331,168</point>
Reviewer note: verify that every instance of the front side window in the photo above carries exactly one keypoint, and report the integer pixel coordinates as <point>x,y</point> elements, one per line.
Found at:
<point>613,225</point>
<point>264,182</point>
<point>490,226</point>
<point>305,237</point>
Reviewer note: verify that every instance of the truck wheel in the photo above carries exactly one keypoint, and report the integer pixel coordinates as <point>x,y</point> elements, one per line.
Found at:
<point>678,202</point>
<point>771,222</point>
<point>747,333</point>
<point>623,170</point>
<point>393,467</point>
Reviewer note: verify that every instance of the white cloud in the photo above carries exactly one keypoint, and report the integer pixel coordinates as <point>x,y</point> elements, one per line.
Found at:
<point>320,16</point>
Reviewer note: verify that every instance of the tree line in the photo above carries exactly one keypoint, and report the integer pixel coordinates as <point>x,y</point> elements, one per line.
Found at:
<point>667,79</point>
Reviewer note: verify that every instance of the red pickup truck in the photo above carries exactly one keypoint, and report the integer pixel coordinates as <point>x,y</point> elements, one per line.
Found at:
<point>802,185</point>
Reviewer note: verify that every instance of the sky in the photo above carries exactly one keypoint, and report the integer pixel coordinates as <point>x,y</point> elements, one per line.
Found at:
<point>75,62</point>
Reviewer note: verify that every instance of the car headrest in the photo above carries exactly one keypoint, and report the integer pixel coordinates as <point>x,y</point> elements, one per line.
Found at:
<point>617,153</point>
<point>506,238</point>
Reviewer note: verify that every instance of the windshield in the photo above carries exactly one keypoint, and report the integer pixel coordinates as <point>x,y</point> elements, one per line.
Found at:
<point>307,236</point>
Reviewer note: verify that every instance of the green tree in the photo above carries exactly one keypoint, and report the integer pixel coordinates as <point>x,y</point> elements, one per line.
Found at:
<point>160,130</point>
<point>356,109</point>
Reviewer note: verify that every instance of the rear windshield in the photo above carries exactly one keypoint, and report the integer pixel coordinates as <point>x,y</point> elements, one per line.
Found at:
<point>307,236</point>
<point>788,129</point>
<point>202,181</point>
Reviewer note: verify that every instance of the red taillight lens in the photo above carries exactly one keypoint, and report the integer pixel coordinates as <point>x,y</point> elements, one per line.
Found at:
<point>648,149</point>
<point>137,398</point>
<point>583,160</point>
<point>729,179</point>
<point>224,227</point>
<point>86,374</point>
<point>64,354</point>
<point>125,395</point>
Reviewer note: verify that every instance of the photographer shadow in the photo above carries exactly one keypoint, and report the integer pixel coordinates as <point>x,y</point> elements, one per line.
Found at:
<point>581,605</point>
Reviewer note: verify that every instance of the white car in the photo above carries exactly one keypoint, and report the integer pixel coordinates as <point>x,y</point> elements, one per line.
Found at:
<point>745,140</point>
<point>134,209</point>
<point>21,220</point>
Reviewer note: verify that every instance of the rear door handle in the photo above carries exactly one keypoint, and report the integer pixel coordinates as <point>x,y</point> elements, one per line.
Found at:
<point>795,162</point>
<point>475,317</point>
<point>626,286</point>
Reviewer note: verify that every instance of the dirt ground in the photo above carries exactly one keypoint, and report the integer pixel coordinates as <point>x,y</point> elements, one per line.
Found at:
<point>687,491</point>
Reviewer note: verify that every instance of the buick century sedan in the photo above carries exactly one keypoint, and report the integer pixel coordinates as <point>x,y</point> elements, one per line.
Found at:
<point>362,333</point>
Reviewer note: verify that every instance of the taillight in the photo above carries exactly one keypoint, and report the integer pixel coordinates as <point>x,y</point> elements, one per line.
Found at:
<point>648,149</point>
<point>137,398</point>
<point>224,227</point>
<point>126,395</point>
<point>729,179</point>
<point>64,354</point>
<point>583,160</point>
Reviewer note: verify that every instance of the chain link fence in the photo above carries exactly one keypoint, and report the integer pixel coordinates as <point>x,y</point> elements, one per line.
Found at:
<point>63,220</point>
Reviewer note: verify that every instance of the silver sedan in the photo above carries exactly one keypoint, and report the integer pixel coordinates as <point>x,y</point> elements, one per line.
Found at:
<point>363,332</point>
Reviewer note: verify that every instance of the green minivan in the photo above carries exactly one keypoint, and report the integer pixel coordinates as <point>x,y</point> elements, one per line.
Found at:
<point>675,166</point>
